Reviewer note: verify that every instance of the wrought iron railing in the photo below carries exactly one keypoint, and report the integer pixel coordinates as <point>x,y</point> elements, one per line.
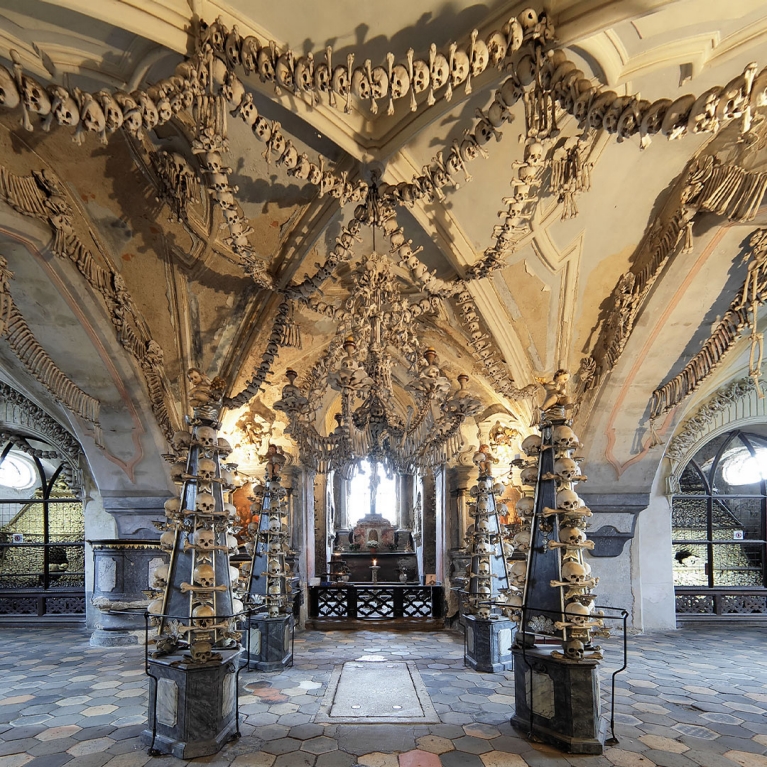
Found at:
<point>694,603</point>
<point>375,603</point>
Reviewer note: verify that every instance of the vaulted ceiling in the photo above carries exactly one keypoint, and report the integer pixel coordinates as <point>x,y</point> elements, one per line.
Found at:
<point>208,298</point>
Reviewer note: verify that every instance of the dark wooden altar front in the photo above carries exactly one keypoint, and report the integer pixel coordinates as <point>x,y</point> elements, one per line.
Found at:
<point>359,563</point>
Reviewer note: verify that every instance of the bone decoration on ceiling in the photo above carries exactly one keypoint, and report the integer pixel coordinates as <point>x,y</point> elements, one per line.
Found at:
<point>210,86</point>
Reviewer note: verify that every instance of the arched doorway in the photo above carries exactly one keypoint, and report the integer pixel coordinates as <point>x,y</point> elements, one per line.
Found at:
<point>719,529</point>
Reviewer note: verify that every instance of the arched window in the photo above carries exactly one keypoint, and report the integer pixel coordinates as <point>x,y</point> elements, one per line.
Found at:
<point>372,491</point>
<point>718,525</point>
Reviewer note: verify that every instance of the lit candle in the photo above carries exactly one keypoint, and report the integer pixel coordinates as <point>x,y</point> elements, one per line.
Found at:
<point>374,563</point>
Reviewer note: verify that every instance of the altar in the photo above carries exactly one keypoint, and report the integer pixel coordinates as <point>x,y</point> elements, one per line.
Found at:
<point>392,566</point>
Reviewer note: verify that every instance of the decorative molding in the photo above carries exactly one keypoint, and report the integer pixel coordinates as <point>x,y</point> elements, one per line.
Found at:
<point>736,404</point>
<point>22,418</point>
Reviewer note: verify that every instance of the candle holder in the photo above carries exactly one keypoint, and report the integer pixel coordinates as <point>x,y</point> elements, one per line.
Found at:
<point>374,573</point>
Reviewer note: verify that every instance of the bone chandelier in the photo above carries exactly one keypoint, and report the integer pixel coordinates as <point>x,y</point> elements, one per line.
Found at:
<point>358,364</point>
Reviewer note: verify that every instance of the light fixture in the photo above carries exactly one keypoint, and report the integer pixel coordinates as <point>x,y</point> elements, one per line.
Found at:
<point>372,423</point>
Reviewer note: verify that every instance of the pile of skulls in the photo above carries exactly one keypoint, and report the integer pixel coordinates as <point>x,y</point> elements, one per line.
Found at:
<point>579,621</point>
<point>194,606</point>
<point>487,581</point>
<point>267,543</point>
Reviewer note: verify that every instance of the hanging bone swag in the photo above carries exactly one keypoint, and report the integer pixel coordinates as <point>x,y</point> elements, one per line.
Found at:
<point>208,86</point>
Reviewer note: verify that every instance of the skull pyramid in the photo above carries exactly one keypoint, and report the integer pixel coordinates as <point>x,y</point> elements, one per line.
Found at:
<point>194,607</point>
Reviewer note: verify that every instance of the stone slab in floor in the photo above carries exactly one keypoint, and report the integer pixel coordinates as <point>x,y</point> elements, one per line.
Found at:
<point>376,693</point>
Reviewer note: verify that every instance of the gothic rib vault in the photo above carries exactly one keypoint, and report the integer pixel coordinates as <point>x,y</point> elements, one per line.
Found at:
<point>128,269</point>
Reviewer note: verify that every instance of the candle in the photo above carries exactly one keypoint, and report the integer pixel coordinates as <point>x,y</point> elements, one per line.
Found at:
<point>374,563</point>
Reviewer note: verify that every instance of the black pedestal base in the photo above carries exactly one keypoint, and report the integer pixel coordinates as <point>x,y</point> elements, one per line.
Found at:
<point>488,644</point>
<point>271,643</point>
<point>557,701</point>
<point>192,707</point>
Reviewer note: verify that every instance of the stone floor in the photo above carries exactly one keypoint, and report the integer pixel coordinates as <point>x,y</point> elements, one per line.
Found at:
<point>693,697</point>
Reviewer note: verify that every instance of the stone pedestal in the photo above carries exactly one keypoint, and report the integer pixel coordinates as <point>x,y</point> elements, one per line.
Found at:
<point>488,643</point>
<point>271,643</point>
<point>557,701</point>
<point>192,707</point>
<point>122,570</point>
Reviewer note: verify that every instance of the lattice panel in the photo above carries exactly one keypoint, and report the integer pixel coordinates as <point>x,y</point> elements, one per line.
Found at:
<point>416,603</point>
<point>747,604</point>
<point>332,604</point>
<point>18,605</point>
<point>375,603</point>
<point>695,604</point>
<point>64,605</point>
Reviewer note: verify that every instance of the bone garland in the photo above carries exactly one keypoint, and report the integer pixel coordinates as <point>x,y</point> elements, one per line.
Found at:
<point>194,607</point>
<point>570,175</point>
<point>268,542</point>
<point>35,359</point>
<point>742,313</point>
<point>315,78</point>
<point>578,620</point>
<point>253,387</point>
<point>487,578</point>
<point>178,185</point>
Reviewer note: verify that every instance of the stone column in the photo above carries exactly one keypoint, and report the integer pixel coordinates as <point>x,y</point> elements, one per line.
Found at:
<point>429,524</point>
<point>320,524</point>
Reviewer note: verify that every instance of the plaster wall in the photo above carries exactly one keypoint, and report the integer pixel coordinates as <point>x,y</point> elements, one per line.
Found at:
<point>651,564</point>
<point>99,525</point>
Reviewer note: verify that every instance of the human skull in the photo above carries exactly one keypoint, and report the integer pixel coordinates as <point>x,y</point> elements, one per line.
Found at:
<point>360,84</point>
<point>574,649</point>
<point>262,128</point>
<point>566,468</point>
<point>206,470</point>
<point>653,119</point>
<point>283,71</point>
<point>400,81</point>
<point>529,475</point>
<point>91,114</point>
<point>265,65</point>
<point>231,510</point>
<point>484,612</point>
<point>599,107</point>
<point>518,572</point>
<point>439,71</point>
<point>177,471</point>
<point>574,572</point>
<point>563,438</point>
<point>675,122</point>
<point>322,78</point>
<point>568,500</point>
<point>274,525</point>
<point>578,613</point>
<point>205,436</point>
<point>534,153</point>
<point>201,652</point>
<point>525,71</point>
<point>613,114</point>
<point>483,525</point>
<point>528,19</point>
<point>112,113</point>
<point>204,539</point>
<point>340,81</point>
<point>531,445</point>
<point>572,536</point>
<point>480,56</point>
<point>205,503</point>
<point>155,607</point>
<point>521,541</point>
<point>160,577</point>
<point>167,539</point>
<point>483,132</point>
<point>525,506</point>
<point>304,74</point>
<point>205,576</point>
<point>498,113</point>
<point>203,615</point>
<point>421,76</point>
<point>483,568</point>
<point>273,566</point>
<point>9,93</point>
<point>65,108</point>
<point>379,83</point>
<point>510,91</point>
<point>234,574</point>
<point>172,507</point>
<point>34,96</point>
<point>249,54</point>
<point>459,70</point>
